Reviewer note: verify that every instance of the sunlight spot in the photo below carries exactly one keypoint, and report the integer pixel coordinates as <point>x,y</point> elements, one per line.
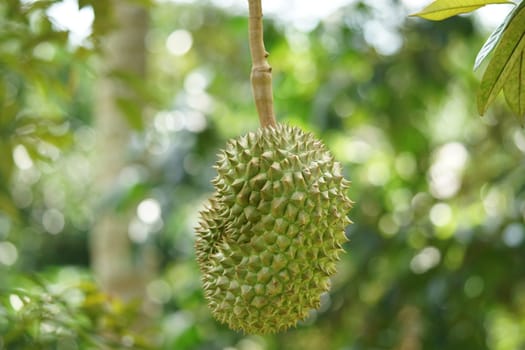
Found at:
<point>54,194</point>
<point>172,121</point>
<point>195,121</point>
<point>196,82</point>
<point>326,302</point>
<point>179,42</point>
<point>78,167</point>
<point>222,3</point>
<point>16,302</point>
<point>358,151</point>
<point>131,175</point>
<point>495,202</point>
<point>169,121</point>
<point>28,177</point>
<point>513,235</point>
<point>251,344</point>
<point>22,195</point>
<point>128,340</point>
<point>48,150</point>
<point>138,231</point>
<point>21,157</point>
<point>156,143</point>
<point>491,16</point>
<point>387,41</point>
<point>149,211</point>
<point>8,253</point>
<point>378,173</point>
<point>53,221</point>
<point>304,15</point>
<point>48,327</point>
<point>66,15</point>
<point>44,51</point>
<point>426,259</point>
<point>440,214</point>
<point>178,322</point>
<point>519,140</point>
<point>414,5</point>
<point>447,169</point>
<point>85,138</point>
<point>201,102</point>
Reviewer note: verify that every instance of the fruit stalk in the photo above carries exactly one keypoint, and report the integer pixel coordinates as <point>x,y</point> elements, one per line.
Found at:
<point>261,75</point>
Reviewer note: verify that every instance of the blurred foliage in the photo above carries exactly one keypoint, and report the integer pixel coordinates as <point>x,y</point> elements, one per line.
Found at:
<point>437,250</point>
<point>42,314</point>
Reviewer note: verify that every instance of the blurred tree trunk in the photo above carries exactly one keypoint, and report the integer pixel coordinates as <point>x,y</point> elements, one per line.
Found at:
<point>120,270</point>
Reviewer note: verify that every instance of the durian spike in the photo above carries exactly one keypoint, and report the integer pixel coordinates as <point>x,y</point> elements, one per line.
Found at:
<point>261,75</point>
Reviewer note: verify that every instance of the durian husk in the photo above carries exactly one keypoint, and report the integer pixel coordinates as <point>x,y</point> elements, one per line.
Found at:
<point>269,238</point>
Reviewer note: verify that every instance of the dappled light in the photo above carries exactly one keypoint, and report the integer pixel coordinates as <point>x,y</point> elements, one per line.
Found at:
<point>446,170</point>
<point>179,42</point>
<point>425,259</point>
<point>8,253</point>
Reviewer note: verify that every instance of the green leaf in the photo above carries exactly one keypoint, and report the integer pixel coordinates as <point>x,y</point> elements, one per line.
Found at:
<point>506,55</point>
<point>442,9</point>
<point>514,88</point>
<point>493,39</point>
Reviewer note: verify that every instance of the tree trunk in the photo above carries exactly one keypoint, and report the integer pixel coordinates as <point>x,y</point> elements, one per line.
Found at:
<point>119,271</point>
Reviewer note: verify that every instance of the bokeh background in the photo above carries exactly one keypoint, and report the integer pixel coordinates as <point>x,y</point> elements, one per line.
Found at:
<point>111,116</point>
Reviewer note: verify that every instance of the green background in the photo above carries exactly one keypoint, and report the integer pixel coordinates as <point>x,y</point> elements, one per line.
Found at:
<point>436,257</point>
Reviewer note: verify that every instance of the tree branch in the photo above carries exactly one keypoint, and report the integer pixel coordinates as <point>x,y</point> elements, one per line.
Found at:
<point>261,76</point>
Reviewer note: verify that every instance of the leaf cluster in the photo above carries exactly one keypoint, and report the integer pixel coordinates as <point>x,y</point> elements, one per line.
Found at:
<point>39,314</point>
<point>39,85</point>
<point>506,69</point>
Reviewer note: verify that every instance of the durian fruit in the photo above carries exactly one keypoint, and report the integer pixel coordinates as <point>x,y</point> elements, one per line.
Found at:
<point>270,237</point>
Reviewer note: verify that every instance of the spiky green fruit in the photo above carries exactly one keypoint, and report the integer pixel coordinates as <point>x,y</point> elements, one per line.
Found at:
<point>271,235</point>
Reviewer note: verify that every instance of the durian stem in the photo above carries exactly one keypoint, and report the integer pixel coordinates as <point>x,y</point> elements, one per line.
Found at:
<point>261,76</point>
